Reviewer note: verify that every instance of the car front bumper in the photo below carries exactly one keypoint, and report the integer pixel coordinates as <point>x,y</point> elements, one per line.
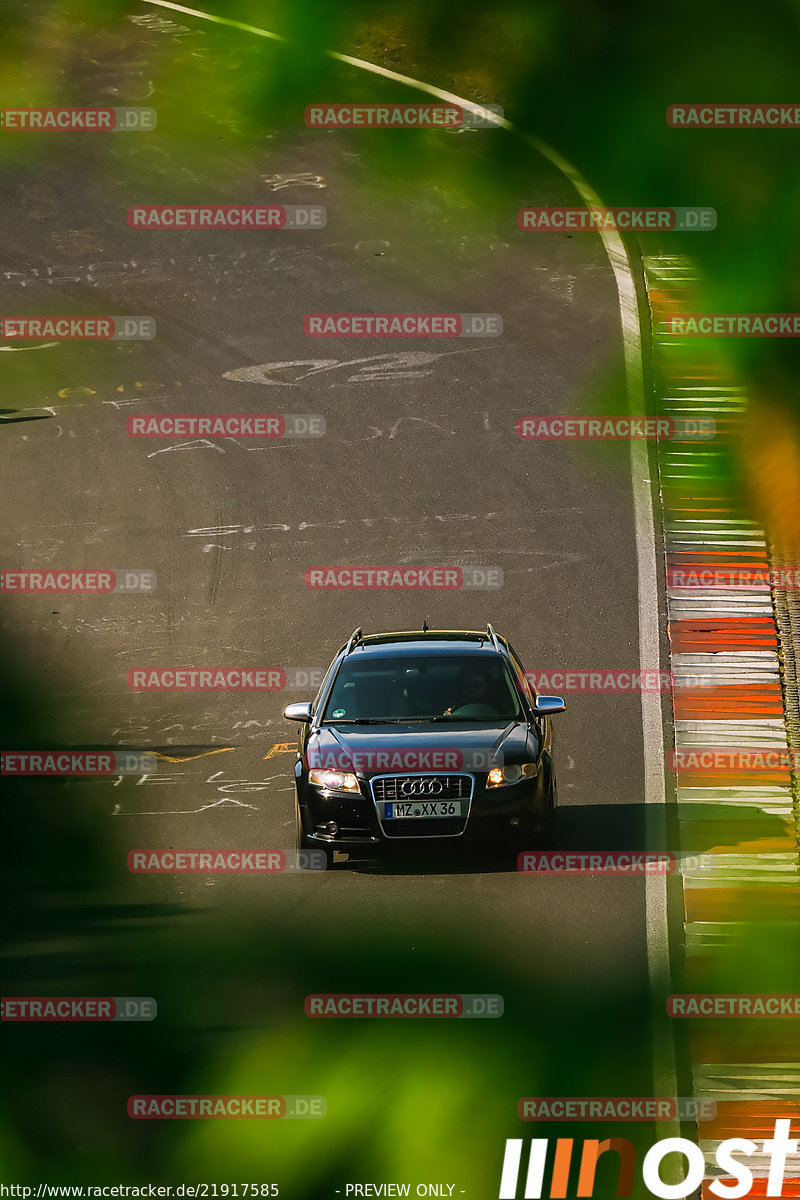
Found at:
<point>492,813</point>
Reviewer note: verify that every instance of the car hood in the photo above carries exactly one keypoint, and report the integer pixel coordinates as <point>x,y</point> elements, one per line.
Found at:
<point>405,748</point>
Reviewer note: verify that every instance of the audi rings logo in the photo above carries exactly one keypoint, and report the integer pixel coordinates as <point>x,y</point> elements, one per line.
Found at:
<point>422,787</point>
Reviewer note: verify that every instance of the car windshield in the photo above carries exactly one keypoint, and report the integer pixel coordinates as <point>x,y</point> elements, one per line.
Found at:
<point>451,687</point>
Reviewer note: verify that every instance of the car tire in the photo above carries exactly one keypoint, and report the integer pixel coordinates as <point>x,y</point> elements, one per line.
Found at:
<point>546,837</point>
<point>304,842</point>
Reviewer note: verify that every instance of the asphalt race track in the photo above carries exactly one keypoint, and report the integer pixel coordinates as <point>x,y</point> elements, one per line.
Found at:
<point>420,465</point>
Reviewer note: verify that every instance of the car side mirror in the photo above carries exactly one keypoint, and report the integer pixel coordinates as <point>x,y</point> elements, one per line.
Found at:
<point>546,706</point>
<point>298,712</point>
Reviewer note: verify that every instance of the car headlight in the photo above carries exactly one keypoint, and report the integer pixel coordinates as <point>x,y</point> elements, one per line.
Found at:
<point>334,781</point>
<point>505,776</point>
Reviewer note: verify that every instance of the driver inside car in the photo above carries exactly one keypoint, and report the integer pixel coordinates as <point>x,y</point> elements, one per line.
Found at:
<point>477,689</point>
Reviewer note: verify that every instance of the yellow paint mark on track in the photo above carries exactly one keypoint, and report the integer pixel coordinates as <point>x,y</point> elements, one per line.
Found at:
<point>282,748</point>
<point>192,757</point>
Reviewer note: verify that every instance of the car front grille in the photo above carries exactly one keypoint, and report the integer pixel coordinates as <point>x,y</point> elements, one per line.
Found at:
<point>389,789</point>
<point>421,787</point>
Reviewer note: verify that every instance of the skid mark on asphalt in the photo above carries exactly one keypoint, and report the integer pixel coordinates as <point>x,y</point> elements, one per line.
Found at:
<point>382,368</point>
<point>198,444</point>
<point>301,179</point>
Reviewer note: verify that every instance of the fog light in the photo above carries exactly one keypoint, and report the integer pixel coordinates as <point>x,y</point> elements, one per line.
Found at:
<point>331,828</point>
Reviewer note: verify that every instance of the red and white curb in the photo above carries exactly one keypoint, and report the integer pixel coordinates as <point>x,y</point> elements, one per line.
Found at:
<point>724,651</point>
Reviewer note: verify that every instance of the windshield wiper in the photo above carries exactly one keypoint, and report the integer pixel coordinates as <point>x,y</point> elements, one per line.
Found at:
<point>364,721</point>
<point>473,720</point>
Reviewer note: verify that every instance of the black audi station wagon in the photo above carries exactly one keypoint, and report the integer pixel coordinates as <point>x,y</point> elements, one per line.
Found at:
<point>427,735</point>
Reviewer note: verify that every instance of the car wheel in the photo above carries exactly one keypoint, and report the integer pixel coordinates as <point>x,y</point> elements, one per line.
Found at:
<point>546,837</point>
<point>541,836</point>
<point>304,844</point>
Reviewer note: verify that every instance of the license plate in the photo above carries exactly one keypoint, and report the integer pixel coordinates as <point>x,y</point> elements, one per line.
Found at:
<point>422,808</point>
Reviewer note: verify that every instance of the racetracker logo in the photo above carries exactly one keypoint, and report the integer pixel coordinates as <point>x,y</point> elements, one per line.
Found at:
<point>597,862</point>
<point>614,1108</point>
<point>403,325</point>
<point>585,429</point>
<point>227,1108</point>
<point>206,679</point>
<point>78,329</point>
<point>399,578</point>
<point>402,116</point>
<point>714,760</point>
<point>478,1004</point>
<point>78,1008</point>
<point>729,577</point>
<point>76,762</point>
<point>83,583</point>
<point>733,1005</point>
<point>778,1148</point>
<point>410,758</point>
<point>733,116</point>
<point>202,1108</point>
<point>731,325</point>
<point>227,425</point>
<point>227,216</point>
<point>592,218</point>
<point>598,679</point>
<point>52,120</point>
<point>224,862</point>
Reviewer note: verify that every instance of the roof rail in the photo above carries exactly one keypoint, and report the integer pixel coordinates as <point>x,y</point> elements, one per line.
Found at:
<point>493,636</point>
<point>355,637</point>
